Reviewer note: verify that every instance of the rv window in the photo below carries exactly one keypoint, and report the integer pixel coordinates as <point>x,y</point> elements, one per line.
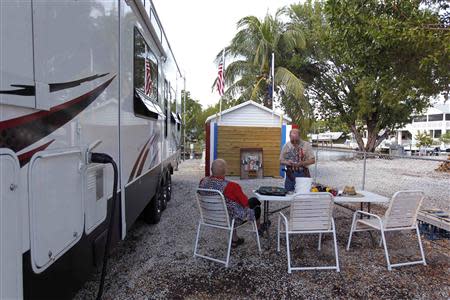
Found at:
<point>166,109</point>
<point>166,90</point>
<point>181,121</point>
<point>447,117</point>
<point>145,108</point>
<point>145,73</point>
<point>173,104</point>
<point>174,118</point>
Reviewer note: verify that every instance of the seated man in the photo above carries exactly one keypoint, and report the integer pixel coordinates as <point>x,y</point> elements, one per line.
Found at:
<point>239,206</point>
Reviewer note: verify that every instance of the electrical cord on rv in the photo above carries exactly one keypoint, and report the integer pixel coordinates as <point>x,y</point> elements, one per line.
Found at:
<point>103,158</point>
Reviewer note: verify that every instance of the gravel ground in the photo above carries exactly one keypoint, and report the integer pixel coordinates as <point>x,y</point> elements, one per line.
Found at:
<point>155,262</point>
<point>385,177</point>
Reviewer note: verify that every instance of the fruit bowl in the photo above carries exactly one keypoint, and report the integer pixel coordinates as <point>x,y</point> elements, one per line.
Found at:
<point>317,187</point>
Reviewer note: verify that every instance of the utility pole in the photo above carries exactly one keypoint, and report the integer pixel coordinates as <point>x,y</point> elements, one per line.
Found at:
<point>184,119</point>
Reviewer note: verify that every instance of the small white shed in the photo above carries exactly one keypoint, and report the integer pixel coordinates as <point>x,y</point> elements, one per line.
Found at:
<point>247,126</point>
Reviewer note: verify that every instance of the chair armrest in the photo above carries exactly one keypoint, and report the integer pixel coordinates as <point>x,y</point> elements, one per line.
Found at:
<point>367,214</point>
<point>370,215</point>
<point>285,220</point>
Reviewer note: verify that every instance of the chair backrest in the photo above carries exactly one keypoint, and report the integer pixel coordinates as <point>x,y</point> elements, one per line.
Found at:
<point>311,211</point>
<point>213,210</point>
<point>403,209</point>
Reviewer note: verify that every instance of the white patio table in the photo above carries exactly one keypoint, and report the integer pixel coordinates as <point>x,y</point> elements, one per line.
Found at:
<point>367,197</point>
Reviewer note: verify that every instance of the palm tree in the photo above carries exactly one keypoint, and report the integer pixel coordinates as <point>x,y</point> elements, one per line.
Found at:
<point>250,51</point>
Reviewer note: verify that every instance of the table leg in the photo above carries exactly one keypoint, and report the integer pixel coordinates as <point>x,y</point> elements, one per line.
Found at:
<point>368,207</point>
<point>266,211</point>
<point>362,209</point>
<point>266,224</point>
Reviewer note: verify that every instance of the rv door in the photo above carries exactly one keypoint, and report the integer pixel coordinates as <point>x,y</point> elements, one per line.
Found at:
<point>10,233</point>
<point>55,187</point>
<point>16,54</point>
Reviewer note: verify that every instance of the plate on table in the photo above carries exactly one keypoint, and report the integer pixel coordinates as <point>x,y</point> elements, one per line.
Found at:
<point>271,191</point>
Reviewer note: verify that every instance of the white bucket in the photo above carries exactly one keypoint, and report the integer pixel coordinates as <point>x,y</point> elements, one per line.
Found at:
<point>303,185</point>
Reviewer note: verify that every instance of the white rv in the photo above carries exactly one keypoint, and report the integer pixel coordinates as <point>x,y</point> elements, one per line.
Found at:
<point>78,77</point>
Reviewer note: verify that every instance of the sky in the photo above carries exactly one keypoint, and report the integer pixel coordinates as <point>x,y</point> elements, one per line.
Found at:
<point>198,30</point>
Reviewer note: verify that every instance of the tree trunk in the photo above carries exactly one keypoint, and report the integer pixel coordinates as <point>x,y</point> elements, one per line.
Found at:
<point>374,139</point>
<point>382,137</point>
<point>371,140</point>
<point>358,137</point>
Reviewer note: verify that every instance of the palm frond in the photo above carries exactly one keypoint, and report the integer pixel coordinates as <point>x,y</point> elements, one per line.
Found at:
<point>289,82</point>
<point>257,88</point>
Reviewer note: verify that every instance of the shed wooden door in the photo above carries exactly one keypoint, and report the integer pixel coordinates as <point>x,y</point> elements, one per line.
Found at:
<point>231,139</point>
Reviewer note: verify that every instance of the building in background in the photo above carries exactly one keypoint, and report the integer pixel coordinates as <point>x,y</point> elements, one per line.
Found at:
<point>435,122</point>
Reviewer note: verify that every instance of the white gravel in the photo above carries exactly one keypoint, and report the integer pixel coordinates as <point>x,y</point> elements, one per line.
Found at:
<point>155,262</point>
<point>385,177</point>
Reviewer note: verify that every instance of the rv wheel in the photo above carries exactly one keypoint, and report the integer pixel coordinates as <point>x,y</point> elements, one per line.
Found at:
<point>152,213</point>
<point>163,194</point>
<point>168,187</point>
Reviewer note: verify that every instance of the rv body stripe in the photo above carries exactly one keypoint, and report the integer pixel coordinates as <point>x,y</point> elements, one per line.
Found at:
<point>25,90</point>
<point>54,87</point>
<point>136,163</point>
<point>21,132</point>
<point>141,165</point>
<point>24,158</point>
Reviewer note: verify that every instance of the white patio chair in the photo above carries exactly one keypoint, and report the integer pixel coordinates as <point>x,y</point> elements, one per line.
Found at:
<point>401,215</point>
<point>309,213</point>
<point>214,213</point>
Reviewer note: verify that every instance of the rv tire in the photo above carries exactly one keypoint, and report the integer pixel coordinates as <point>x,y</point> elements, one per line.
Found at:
<point>163,194</point>
<point>168,187</point>
<point>152,212</point>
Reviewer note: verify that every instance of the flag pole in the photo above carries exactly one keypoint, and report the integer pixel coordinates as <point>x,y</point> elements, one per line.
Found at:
<point>223,76</point>
<point>184,118</point>
<point>273,79</point>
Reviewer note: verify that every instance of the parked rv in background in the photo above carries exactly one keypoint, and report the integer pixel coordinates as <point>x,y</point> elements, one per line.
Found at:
<point>78,77</point>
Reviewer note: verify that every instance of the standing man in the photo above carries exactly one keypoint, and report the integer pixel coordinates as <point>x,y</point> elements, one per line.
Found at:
<point>296,156</point>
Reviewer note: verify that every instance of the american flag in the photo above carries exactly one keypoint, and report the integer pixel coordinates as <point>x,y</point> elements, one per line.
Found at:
<point>220,79</point>
<point>148,78</point>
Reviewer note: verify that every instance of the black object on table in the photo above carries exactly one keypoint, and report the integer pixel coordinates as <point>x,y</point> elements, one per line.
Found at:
<point>271,191</point>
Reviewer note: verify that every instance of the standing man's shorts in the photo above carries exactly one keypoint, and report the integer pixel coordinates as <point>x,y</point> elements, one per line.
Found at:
<point>289,184</point>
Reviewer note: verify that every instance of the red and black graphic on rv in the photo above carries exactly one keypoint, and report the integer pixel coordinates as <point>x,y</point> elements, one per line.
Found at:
<point>151,146</point>
<point>21,132</point>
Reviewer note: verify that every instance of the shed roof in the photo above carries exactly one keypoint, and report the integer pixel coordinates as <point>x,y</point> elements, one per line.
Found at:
<point>244,104</point>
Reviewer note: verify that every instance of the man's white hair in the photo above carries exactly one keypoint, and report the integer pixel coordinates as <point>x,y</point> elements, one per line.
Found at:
<point>219,167</point>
